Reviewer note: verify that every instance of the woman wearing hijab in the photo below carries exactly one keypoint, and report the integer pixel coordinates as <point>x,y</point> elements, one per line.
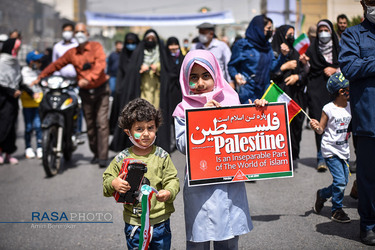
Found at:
<point>146,77</point>
<point>252,59</point>
<point>290,78</point>
<point>10,78</point>
<point>174,62</point>
<point>131,42</point>
<point>219,212</point>
<point>323,54</point>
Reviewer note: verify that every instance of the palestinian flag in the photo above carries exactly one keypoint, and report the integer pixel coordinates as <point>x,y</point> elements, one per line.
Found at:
<point>301,43</point>
<point>145,235</point>
<point>275,94</point>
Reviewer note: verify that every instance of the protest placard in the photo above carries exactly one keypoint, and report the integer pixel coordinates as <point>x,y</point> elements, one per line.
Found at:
<point>237,143</point>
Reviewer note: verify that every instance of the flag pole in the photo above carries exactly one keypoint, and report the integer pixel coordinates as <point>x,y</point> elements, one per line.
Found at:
<point>308,117</point>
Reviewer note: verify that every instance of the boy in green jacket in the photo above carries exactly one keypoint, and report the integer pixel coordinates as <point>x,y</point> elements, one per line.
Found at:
<point>140,121</point>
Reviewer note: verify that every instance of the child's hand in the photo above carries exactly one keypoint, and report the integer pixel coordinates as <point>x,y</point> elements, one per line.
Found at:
<point>153,67</point>
<point>144,68</point>
<point>36,96</point>
<point>260,105</point>
<point>120,185</point>
<point>315,126</point>
<point>163,195</point>
<point>212,103</point>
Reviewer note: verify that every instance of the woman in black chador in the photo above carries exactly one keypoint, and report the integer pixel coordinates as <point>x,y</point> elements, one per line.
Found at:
<point>147,77</point>
<point>291,79</point>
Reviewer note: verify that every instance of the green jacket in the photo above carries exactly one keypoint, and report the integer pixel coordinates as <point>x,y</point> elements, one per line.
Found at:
<point>162,175</point>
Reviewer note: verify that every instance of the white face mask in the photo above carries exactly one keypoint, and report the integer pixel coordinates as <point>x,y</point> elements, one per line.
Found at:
<point>325,36</point>
<point>140,146</point>
<point>203,38</point>
<point>370,13</point>
<point>67,35</point>
<point>81,37</point>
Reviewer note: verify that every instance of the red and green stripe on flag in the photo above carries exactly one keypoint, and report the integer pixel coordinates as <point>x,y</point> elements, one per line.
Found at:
<point>145,235</point>
<point>301,43</point>
<point>275,94</point>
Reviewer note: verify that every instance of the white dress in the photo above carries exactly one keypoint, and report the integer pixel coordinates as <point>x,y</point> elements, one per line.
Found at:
<point>214,212</point>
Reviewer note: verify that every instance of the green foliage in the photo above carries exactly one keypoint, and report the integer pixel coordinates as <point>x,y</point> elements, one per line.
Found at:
<point>355,20</point>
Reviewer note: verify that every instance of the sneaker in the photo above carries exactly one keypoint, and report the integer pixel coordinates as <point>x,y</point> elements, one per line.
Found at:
<point>11,160</point>
<point>29,153</point>
<point>39,153</point>
<point>340,216</point>
<point>322,167</point>
<point>319,202</point>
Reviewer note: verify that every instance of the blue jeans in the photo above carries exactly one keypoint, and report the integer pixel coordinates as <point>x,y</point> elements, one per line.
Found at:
<point>340,173</point>
<point>32,122</point>
<point>112,84</point>
<point>161,236</point>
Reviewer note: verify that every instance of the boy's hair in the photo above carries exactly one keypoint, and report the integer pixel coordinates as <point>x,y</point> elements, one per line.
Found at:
<point>68,25</point>
<point>139,110</point>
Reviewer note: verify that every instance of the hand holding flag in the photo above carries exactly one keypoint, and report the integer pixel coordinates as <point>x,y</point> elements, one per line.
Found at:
<point>275,94</point>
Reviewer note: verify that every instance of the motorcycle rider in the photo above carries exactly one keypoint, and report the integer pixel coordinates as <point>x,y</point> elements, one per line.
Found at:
<point>89,62</point>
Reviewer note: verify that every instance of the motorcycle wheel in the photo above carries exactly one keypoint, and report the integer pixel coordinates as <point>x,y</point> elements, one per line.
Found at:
<point>51,162</point>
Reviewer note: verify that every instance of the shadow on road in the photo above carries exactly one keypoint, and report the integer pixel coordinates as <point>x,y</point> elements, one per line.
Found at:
<point>343,230</point>
<point>266,218</point>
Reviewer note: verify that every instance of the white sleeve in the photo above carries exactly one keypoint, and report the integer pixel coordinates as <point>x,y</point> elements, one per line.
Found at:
<point>179,125</point>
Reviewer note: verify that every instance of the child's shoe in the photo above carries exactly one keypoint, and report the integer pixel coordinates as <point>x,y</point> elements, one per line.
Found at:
<point>39,153</point>
<point>29,153</point>
<point>11,160</point>
<point>322,167</point>
<point>319,202</point>
<point>340,216</point>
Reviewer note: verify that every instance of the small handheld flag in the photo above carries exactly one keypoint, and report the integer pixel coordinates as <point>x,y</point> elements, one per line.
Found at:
<point>301,43</point>
<point>275,94</point>
<point>145,236</point>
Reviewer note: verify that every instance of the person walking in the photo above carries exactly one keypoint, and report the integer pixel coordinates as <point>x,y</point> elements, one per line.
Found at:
<point>253,59</point>
<point>323,55</point>
<point>89,62</point>
<point>357,63</point>
<point>10,79</point>
<point>113,65</point>
<point>291,79</point>
<point>120,139</point>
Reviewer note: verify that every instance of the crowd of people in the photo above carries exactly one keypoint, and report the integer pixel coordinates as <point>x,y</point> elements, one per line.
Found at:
<point>168,78</point>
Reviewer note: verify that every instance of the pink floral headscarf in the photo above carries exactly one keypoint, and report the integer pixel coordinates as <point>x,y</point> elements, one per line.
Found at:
<point>222,93</point>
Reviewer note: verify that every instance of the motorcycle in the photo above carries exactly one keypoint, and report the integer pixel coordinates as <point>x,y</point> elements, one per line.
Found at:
<point>59,111</point>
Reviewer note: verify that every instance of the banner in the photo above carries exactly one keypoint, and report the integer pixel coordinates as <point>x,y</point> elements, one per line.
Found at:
<point>115,19</point>
<point>238,143</point>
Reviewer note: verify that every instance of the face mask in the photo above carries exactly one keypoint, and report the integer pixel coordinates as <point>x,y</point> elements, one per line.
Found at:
<point>67,35</point>
<point>176,54</point>
<point>268,34</point>
<point>203,38</point>
<point>131,46</point>
<point>325,36</point>
<point>370,13</point>
<point>81,37</point>
<point>290,40</point>
<point>150,44</point>
<point>34,66</point>
<point>186,45</point>
<point>140,146</point>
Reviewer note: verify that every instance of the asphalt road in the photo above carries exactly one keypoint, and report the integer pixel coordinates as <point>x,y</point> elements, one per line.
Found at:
<point>281,209</point>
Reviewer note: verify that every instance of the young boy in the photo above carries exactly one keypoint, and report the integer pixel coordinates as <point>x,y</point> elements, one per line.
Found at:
<point>30,104</point>
<point>140,121</point>
<point>334,125</point>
